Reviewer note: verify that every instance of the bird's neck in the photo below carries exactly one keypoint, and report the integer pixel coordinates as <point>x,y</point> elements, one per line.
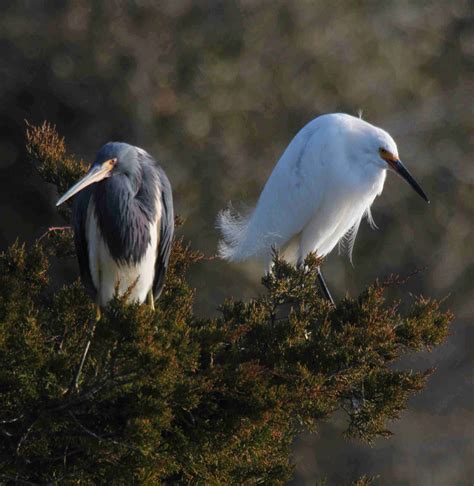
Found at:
<point>124,217</point>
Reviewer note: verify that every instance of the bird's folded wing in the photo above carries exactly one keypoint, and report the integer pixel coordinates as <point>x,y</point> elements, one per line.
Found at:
<point>165,235</point>
<point>292,194</point>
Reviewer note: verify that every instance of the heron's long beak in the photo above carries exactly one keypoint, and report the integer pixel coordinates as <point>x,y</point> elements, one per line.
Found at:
<point>95,174</point>
<point>402,171</point>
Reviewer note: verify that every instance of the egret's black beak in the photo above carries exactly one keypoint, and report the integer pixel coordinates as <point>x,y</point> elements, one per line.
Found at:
<point>95,174</point>
<point>402,171</point>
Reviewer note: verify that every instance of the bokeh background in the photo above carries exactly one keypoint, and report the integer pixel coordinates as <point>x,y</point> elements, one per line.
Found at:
<point>215,90</point>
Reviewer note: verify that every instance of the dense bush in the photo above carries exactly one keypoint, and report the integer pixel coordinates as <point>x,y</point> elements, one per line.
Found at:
<point>166,397</point>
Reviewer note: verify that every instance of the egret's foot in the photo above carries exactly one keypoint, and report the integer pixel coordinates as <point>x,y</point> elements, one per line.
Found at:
<point>98,314</point>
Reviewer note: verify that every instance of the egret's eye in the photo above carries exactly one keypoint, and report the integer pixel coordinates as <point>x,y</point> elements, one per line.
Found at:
<point>386,155</point>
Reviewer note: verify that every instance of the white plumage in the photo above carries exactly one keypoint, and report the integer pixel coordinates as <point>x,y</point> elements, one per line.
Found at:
<point>320,189</point>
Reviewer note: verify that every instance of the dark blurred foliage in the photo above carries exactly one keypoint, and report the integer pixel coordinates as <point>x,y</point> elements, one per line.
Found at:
<point>215,90</point>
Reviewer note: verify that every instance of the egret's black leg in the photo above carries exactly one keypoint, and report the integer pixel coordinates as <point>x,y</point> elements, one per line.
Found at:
<point>324,287</point>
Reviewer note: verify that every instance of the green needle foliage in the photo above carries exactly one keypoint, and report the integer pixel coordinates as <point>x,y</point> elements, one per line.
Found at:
<point>165,397</point>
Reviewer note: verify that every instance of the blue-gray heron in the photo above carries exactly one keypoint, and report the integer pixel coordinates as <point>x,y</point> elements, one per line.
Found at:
<point>123,224</point>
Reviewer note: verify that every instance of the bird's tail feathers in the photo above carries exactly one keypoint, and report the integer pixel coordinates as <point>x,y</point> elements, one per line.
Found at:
<point>234,229</point>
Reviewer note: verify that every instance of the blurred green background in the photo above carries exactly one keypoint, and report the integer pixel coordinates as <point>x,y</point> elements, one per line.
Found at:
<point>215,90</point>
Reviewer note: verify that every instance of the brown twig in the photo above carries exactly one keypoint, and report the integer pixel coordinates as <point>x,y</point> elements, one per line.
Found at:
<point>10,421</point>
<point>52,229</point>
<point>394,279</point>
<point>24,437</point>
<point>75,382</point>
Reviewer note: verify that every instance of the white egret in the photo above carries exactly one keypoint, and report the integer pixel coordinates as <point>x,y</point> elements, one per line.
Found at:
<point>319,191</point>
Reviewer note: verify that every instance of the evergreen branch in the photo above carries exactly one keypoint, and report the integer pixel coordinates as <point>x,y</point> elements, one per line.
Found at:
<point>17,480</point>
<point>101,438</point>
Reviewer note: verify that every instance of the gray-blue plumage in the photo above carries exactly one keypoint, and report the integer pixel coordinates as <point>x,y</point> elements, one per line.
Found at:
<point>119,220</point>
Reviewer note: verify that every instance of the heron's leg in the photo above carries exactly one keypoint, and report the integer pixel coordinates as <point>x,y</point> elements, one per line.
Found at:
<point>324,287</point>
<point>98,314</point>
<point>151,299</point>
